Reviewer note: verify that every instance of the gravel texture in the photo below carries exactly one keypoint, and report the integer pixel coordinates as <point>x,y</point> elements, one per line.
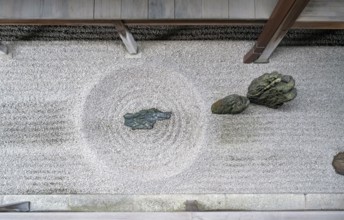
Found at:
<point>294,37</point>
<point>62,129</point>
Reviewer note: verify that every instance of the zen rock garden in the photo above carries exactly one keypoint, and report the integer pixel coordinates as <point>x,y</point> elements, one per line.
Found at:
<point>270,89</point>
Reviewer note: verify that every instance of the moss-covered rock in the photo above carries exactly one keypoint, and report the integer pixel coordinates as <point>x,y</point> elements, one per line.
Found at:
<point>272,90</point>
<point>232,104</point>
<point>145,119</point>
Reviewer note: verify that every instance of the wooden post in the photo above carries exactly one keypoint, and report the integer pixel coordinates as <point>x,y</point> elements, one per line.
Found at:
<point>3,49</point>
<point>127,38</point>
<point>282,18</point>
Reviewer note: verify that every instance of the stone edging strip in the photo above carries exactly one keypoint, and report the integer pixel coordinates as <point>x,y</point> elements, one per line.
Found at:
<point>179,202</point>
<point>272,215</point>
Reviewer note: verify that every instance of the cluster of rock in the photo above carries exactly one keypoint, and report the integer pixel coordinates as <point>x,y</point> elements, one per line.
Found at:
<point>270,89</point>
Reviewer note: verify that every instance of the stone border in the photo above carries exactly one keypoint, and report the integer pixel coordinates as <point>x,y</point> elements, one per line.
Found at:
<point>179,202</point>
<point>272,215</point>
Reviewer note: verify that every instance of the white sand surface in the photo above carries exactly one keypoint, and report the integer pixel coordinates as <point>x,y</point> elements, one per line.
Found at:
<point>62,128</point>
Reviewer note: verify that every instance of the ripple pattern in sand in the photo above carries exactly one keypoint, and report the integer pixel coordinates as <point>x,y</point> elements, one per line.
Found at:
<point>166,150</point>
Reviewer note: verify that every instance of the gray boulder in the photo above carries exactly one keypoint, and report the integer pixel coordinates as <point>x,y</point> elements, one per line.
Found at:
<point>145,119</point>
<point>272,90</point>
<point>232,104</point>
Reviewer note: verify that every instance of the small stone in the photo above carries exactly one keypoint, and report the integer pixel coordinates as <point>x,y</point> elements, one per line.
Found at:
<point>145,119</point>
<point>272,90</point>
<point>338,163</point>
<point>232,104</point>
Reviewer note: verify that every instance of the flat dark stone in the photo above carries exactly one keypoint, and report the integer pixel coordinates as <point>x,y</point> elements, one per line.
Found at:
<point>232,104</point>
<point>145,119</point>
<point>272,90</point>
<point>338,163</point>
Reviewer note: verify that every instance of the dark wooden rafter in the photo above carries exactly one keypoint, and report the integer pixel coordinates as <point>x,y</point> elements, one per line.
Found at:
<point>281,20</point>
<point>180,22</point>
<point>149,22</point>
<point>127,38</point>
<point>3,49</point>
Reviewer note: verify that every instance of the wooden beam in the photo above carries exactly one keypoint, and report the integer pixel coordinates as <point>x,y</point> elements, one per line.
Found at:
<point>152,22</point>
<point>282,18</point>
<point>334,25</point>
<point>110,22</point>
<point>127,38</point>
<point>3,49</point>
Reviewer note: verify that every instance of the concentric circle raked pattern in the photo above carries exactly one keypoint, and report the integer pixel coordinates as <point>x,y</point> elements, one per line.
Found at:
<point>167,149</point>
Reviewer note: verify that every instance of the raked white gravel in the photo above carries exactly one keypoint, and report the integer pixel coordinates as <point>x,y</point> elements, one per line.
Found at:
<point>62,128</point>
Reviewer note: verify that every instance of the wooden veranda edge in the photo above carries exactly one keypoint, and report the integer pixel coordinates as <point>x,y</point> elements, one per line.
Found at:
<point>186,22</point>
<point>147,22</point>
<point>111,22</point>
